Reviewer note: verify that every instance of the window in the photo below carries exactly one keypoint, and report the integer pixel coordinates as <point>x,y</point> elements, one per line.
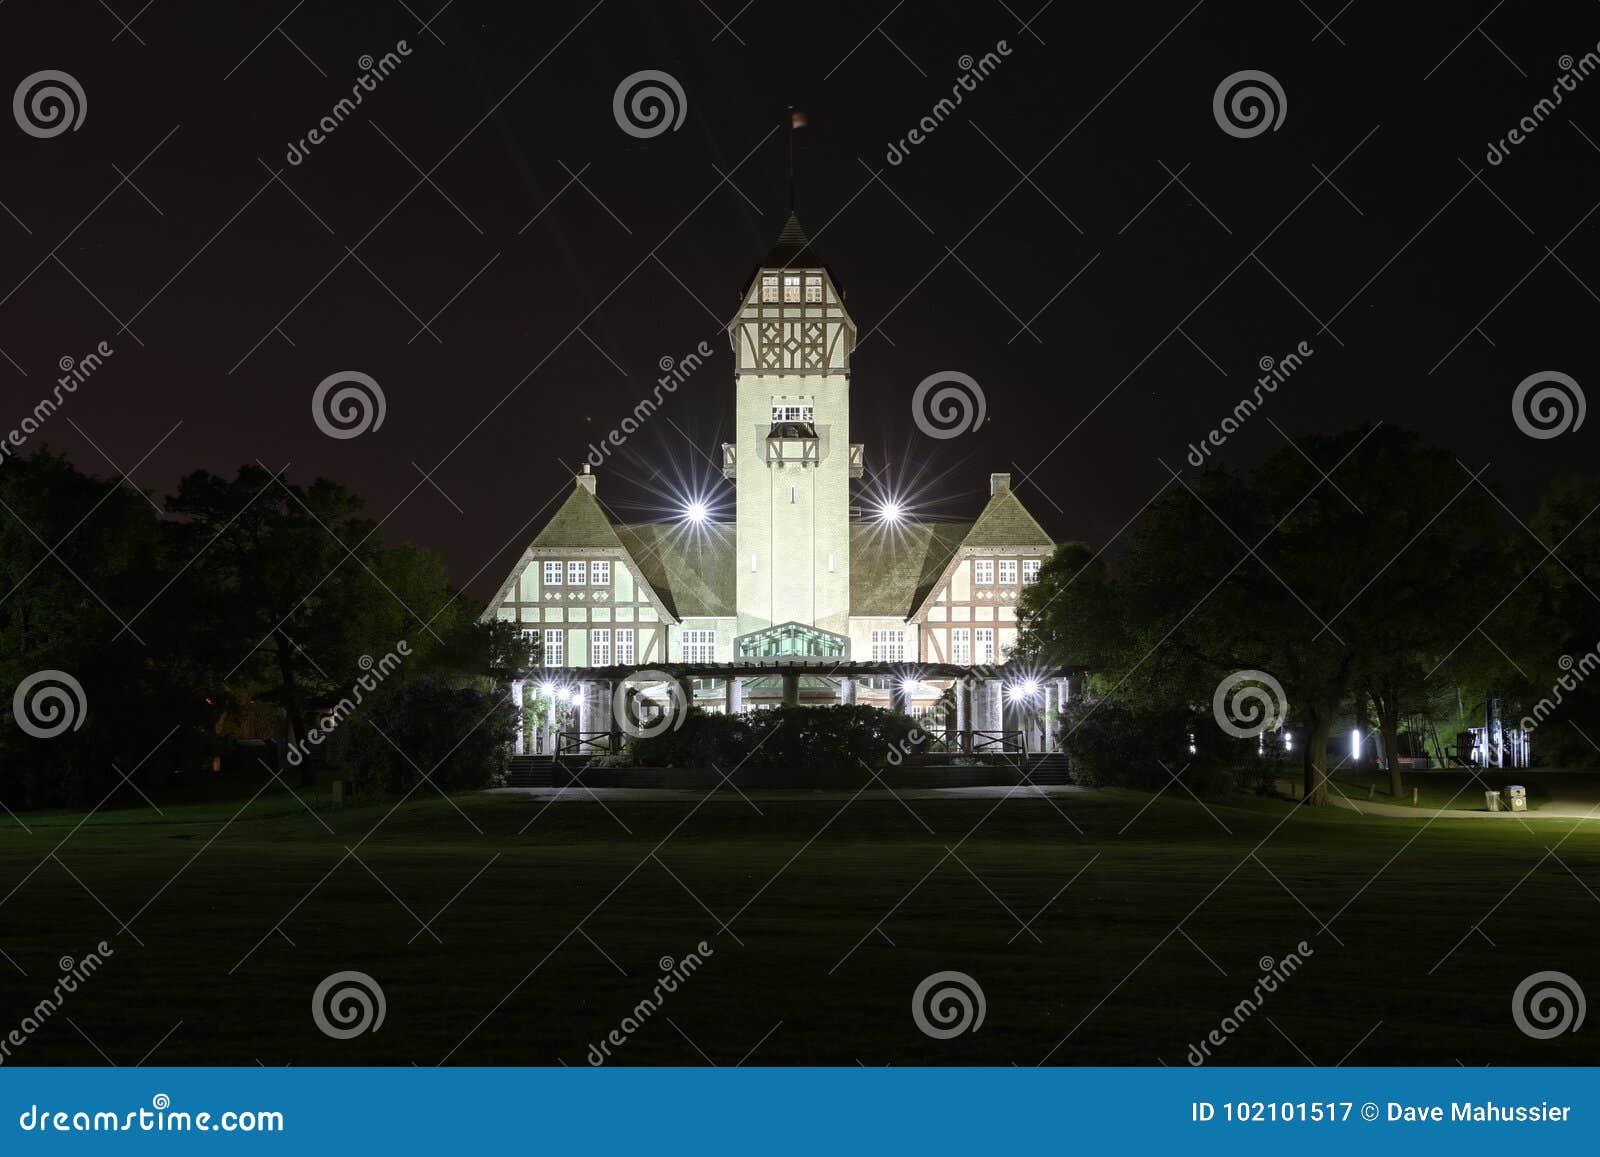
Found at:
<point>624,638</point>
<point>575,573</point>
<point>1008,572</point>
<point>813,288</point>
<point>600,648</point>
<point>555,647</point>
<point>552,574</point>
<point>793,412</point>
<point>985,640</point>
<point>1030,570</point>
<point>961,645</point>
<point>599,574</point>
<point>791,287</point>
<point>769,287</point>
<point>983,571</point>
<point>888,646</point>
<point>699,646</point>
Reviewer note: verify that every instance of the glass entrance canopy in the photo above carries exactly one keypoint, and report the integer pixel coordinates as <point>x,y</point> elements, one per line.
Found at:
<point>791,641</point>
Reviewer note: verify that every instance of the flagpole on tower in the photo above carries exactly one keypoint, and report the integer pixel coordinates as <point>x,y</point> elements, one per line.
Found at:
<point>797,120</point>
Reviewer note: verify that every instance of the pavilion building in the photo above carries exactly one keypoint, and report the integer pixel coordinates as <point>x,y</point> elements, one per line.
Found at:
<point>795,600</point>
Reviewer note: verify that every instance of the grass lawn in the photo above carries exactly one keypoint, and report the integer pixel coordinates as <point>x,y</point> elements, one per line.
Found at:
<point>834,914</point>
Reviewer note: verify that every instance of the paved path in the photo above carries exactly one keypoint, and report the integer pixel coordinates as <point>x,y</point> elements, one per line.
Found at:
<point>1553,810</point>
<point>577,794</point>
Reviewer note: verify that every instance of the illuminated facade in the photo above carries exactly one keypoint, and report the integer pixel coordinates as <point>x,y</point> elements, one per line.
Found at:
<point>794,578</point>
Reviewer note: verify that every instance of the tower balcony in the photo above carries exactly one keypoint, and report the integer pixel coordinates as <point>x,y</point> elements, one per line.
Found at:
<point>730,460</point>
<point>793,444</point>
<point>858,459</point>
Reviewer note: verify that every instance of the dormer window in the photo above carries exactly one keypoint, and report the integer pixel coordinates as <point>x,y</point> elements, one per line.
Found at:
<point>791,287</point>
<point>813,287</point>
<point>769,287</point>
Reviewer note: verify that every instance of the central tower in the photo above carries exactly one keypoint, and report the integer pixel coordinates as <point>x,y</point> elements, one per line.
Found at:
<point>792,459</point>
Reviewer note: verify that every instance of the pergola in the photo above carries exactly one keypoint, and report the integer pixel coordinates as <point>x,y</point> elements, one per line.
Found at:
<point>984,695</point>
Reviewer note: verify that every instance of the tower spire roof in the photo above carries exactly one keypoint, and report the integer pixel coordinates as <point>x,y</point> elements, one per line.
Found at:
<point>793,248</point>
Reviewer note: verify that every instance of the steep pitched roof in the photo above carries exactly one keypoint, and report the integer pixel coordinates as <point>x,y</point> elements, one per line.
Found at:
<point>793,251</point>
<point>1006,522</point>
<point>892,569</point>
<point>793,248</point>
<point>579,522</point>
<point>690,568</point>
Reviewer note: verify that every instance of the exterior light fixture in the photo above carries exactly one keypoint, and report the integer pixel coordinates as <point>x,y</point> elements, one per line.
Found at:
<point>696,512</point>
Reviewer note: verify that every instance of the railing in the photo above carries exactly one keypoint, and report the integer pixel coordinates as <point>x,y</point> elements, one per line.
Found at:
<point>583,742</point>
<point>983,742</point>
<point>994,741</point>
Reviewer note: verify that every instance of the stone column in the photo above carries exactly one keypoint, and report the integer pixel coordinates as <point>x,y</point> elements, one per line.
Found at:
<point>550,723</point>
<point>899,697</point>
<point>732,696</point>
<point>516,700</point>
<point>847,691</point>
<point>612,715</point>
<point>791,689</point>
<point>585,722</point>
<point>964,713</point>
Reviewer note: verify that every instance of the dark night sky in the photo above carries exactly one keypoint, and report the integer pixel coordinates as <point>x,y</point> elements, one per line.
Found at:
<point>561,333</point>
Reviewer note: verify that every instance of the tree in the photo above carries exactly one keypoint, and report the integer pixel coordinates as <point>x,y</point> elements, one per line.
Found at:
<point>1331,566</point>
<point>79,557</point>
<point>299,585</point>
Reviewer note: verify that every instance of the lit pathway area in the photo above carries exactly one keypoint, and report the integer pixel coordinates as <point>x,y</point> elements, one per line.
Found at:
<point>1459,794</point>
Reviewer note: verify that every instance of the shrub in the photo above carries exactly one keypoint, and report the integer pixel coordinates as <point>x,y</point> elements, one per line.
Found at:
<point>816,738</point>
<point>461,735</point>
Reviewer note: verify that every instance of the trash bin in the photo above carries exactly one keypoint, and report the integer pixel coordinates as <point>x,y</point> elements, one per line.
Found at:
<point>1491,800</point>
<point>1517,797</point>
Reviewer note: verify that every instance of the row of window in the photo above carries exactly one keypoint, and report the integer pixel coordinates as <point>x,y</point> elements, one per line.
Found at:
<point>791,287</point>
<point>888,646</point>
<point>961,640</point>
<point>983,571</point>
<point>789,412</point>
<point>600,646</point>
<point>699,646</point>
<point>595,574</point>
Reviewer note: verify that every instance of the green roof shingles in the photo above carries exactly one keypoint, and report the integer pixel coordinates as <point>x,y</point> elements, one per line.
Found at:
<point>1006,522</point>
<point>691,569</point>
<point>893,568</point>
<point>578,523</point>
